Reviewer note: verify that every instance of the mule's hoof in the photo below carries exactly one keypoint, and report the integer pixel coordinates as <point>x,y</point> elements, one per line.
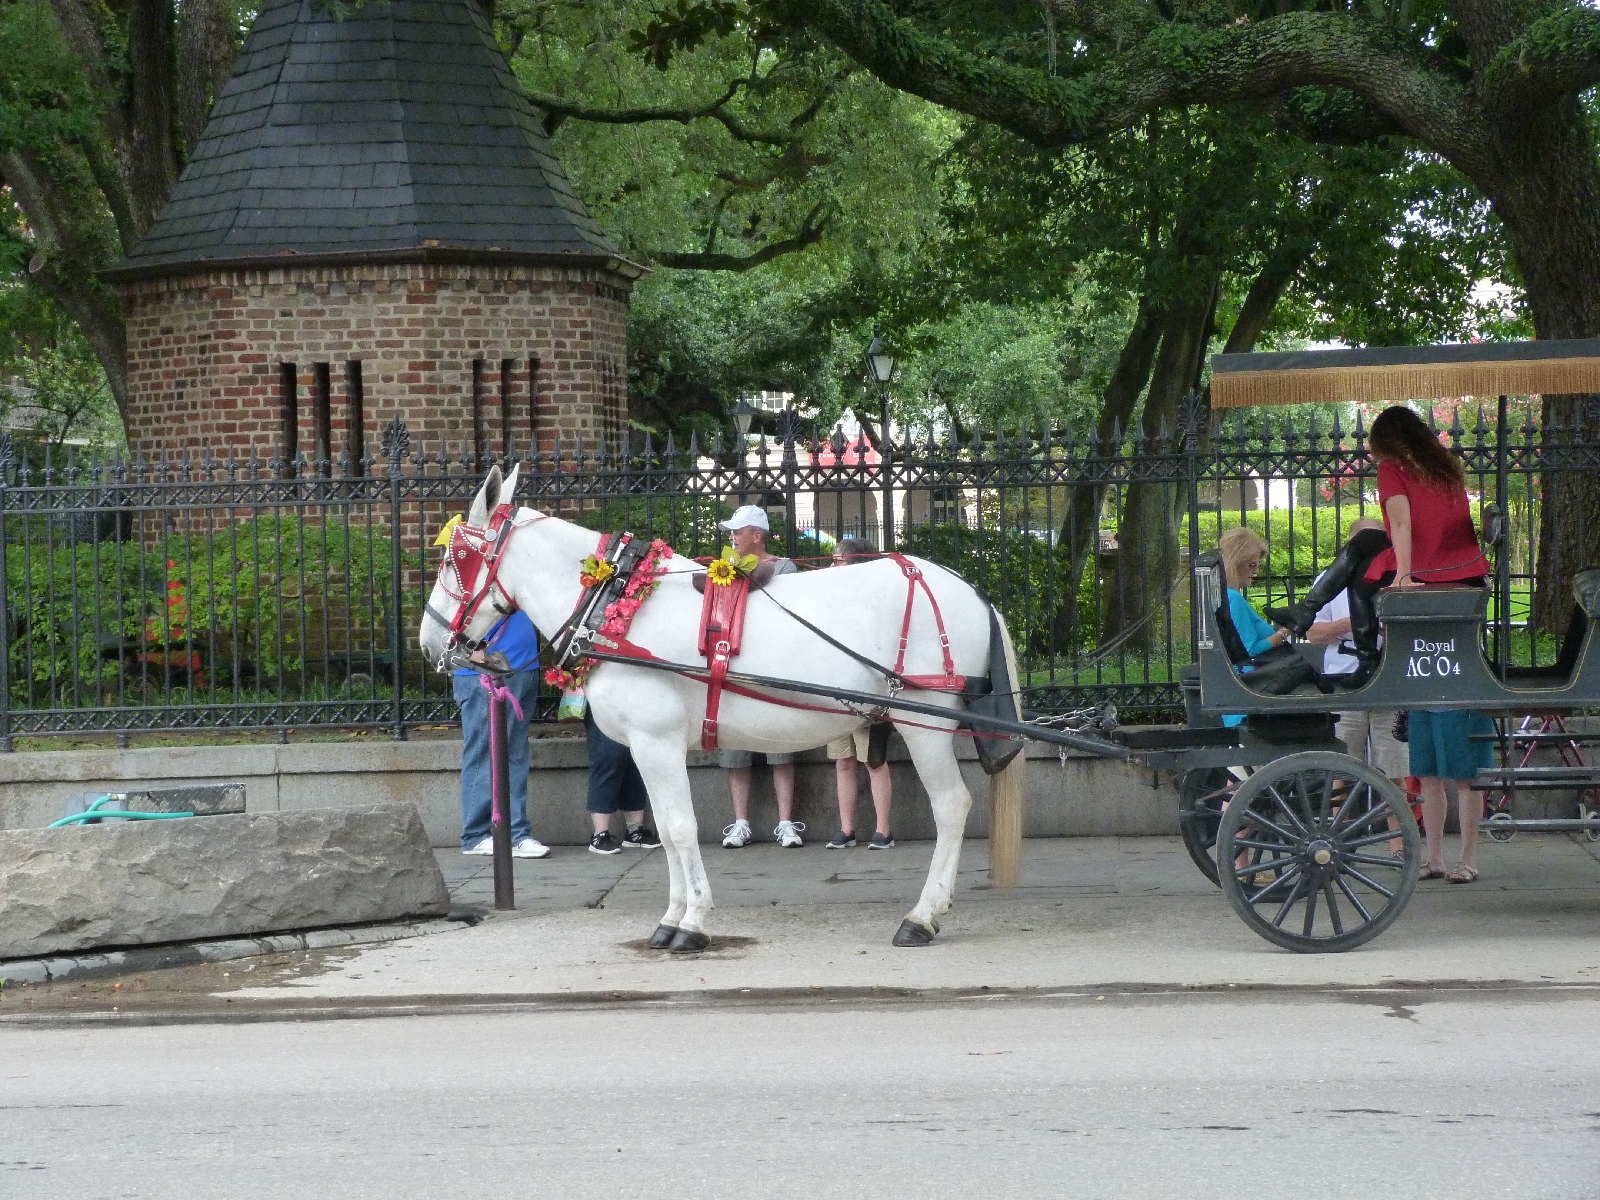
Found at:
<point>687,941</point>
<point>661,939</point>
<point>912,934</point>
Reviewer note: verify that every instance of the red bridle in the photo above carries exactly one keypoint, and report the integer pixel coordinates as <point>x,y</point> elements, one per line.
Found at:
<point>470,574</point>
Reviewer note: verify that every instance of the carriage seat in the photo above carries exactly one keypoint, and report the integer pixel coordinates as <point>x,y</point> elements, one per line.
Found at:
<point>1233,644</point>
<point>1585,608</point>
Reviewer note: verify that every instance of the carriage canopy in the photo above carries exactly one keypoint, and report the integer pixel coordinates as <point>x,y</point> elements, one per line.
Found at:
<point>1405,373</point>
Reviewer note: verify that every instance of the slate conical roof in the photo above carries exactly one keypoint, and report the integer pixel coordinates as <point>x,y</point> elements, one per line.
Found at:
<point>399,128</point>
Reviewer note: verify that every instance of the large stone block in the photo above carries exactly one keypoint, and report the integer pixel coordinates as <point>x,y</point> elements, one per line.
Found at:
<point>143,882</point>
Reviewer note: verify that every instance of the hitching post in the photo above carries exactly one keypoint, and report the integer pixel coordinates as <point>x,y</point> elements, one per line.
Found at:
<point>1502,565</point>
<point>6,744</point>
<point>396,441</point>
<point>505,895</point>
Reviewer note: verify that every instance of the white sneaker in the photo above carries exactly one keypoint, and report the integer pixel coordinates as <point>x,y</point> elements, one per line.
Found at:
<point>484,847</point>
<point>788,833</point>
<point>738,834</point>
<point>530,848</point>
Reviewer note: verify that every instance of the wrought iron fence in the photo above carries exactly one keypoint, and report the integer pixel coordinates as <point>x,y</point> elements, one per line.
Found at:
<point>210,591</point>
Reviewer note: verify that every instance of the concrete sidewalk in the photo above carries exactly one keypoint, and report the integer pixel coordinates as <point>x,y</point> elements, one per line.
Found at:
<point>1090,912</point>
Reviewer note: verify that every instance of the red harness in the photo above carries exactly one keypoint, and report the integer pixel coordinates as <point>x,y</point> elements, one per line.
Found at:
<point>949,681</point>
<point>721,633</point>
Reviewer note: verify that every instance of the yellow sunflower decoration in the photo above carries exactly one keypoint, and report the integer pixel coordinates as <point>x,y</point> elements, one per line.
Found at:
<point>730,565</point>
<point>594,571</point>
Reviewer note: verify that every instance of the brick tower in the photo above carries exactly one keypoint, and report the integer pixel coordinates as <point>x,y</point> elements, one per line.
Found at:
<point>371,226</point>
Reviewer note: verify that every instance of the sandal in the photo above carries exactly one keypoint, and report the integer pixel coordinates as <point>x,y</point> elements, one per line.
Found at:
<point>1461,873</point>
<point>1428,872</point>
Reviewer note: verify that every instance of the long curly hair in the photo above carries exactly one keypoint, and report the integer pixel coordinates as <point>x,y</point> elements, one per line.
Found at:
<point>1399,435</point>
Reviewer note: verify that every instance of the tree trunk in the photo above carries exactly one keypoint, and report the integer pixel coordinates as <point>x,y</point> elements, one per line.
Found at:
<point>205,59</point>
<point>152,166</point>
<point>1546,191</point>
<point>1147,537</point>
<point>1080,526</point>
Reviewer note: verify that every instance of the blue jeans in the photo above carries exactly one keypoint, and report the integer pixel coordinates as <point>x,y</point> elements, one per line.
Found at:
<point>475,780</point>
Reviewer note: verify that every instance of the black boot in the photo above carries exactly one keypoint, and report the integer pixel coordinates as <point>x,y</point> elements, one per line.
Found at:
<point>1349,567</point>
<point>1364,630</point>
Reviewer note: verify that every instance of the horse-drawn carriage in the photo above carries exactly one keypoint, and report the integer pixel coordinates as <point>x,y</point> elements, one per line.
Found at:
<point>1300,835</point>
<point>1314,849</point>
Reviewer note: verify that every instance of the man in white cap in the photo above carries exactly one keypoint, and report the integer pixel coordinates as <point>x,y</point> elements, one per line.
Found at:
<point>747,529</point>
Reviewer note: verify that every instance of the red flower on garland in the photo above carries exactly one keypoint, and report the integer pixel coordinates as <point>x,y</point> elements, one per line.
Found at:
<point>619,614</point>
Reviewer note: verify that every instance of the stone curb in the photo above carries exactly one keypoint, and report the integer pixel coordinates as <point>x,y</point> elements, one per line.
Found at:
<point>183,954</point>
<point>1387,994</point>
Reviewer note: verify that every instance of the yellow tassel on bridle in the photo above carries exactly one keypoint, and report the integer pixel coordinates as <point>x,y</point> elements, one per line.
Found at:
<point>444,534</point>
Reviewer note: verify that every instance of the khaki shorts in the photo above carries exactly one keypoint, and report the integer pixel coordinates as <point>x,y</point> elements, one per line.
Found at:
<point>851,745</point>
<point>1370,737</point>
<point>734,759</point>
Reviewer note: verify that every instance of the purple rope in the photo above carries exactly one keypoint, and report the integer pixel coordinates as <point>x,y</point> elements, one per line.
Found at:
<point>497,691</point>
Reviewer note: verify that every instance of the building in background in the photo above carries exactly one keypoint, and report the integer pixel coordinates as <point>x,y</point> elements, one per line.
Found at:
<point>372,226</point>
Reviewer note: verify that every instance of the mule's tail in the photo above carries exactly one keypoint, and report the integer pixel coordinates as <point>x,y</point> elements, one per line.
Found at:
<point>1007,788</point>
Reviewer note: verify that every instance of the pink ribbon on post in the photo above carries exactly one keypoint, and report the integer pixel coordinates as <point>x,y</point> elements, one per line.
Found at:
<point>499,691</point>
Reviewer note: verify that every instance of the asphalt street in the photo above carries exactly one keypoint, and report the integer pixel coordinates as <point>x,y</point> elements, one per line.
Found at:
<point>1444,1092</point>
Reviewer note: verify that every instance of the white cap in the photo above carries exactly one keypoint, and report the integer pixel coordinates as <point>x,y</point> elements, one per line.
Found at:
<point>746,516</point>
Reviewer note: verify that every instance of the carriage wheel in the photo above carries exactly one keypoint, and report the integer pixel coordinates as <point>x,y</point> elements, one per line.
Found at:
<point>1202,795</point>
<point>1315,827</point>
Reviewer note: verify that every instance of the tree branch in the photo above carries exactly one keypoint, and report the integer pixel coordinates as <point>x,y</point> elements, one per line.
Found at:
<point>558,110</point>
<point>1150,67</point>
<point>1266,289</point>
<point>809,233</point>
<point>68,246</point>
<point>1555,55</point>
<point>83,39</point>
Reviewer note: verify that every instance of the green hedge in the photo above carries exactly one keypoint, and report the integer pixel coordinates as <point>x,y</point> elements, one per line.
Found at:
<point>281,589</point>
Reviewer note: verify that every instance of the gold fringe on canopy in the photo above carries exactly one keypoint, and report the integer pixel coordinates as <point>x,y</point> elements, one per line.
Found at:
<point>1405,373</point>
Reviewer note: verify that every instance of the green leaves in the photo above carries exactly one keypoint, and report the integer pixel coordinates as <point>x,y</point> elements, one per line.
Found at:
<point>261,597</point>
<point>683,28</point>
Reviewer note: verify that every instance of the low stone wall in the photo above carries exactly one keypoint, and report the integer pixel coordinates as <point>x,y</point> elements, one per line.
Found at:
<point>1074,797</point>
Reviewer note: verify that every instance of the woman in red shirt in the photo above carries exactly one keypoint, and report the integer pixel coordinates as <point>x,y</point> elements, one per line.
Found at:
<point>1422,488</point>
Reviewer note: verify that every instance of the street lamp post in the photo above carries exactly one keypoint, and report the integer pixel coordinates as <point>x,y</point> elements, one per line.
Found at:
<point>880,369</point>
<point>743,413</point>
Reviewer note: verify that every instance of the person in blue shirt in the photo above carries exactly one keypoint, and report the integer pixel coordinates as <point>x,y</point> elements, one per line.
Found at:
<point>516,638</point>
<point>1242,552</point>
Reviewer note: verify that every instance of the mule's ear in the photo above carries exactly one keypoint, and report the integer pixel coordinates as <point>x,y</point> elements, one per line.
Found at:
<point>508,489</point>
<point>478,517</point>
